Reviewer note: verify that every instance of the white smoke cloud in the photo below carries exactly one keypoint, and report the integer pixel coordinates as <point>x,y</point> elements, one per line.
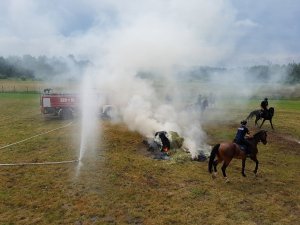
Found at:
<point>123,38</point>
<point>228,32</point>
<point>246,23</point>
<point>180,30</point>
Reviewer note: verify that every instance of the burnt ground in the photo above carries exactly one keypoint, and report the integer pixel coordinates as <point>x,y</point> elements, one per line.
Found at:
<point>146,150</point>
<point>283,141</point>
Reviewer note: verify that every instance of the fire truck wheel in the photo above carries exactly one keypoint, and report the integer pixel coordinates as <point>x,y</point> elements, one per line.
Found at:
<point>66,114</point>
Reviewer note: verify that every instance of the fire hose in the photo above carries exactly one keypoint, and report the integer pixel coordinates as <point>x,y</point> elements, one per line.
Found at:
<point>37,163</point>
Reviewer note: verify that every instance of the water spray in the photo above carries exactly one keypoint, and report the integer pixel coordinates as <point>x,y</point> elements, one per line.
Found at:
<point>89,116</point>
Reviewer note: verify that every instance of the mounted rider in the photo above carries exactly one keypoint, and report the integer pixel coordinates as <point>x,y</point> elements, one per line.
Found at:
<point>264,107</point>
<point>240,136</point>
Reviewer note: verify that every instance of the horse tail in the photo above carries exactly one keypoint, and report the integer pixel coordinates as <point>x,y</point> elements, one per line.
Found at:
<point>213,154</point>
<point>252,114</point>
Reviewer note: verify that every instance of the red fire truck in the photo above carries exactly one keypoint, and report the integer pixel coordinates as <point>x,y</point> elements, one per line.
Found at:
<point>60,105</point>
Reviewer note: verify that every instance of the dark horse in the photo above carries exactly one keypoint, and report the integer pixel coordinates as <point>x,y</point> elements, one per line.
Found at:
<point>227,151</point>
<point>266,116</point>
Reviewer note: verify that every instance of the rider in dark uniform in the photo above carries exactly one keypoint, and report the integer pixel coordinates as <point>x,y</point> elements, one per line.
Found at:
<point>264,107</point>
<point>240,136</point>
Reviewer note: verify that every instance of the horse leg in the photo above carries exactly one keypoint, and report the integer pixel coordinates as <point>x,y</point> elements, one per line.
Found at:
<point>225,164</point>
<point>257,119</point>
<point>224,169</point>
<point>271,124</point>
<point>243,166</point>
<point>262,123</point>
<point>215,163</point>
<point>256,164</point>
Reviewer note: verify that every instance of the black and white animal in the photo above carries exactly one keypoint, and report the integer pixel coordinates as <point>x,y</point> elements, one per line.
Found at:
<point>164,140</point>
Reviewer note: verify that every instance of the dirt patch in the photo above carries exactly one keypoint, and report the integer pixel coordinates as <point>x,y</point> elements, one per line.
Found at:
<point>284,141</point>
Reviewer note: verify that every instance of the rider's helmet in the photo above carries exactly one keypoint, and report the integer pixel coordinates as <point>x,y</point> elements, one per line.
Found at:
<point>266,99</point>
<point>243,122</point>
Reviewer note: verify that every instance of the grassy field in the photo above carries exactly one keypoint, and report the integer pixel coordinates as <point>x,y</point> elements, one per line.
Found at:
<point>34,86</point>
<point>7,85</point>
<point>121,184</point>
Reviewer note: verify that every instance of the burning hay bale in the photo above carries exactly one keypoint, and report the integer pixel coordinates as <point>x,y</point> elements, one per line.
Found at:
<point>203,153</point>
<point>176,140</point>
<point>164,143</point>
<point>202,156</point>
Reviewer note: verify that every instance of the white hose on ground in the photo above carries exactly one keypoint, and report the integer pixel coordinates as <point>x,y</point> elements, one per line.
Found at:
<point>37,163</point>
<point>18,142</point>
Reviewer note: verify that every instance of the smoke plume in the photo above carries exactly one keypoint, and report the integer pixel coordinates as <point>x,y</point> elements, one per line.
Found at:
<point>162,39</point>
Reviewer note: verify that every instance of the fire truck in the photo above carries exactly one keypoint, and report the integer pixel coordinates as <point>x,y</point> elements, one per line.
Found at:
<point>61,105</point>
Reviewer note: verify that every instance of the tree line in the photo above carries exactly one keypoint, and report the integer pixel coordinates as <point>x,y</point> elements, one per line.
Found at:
<point>40,68</point>
<point>288,73</point>
<point>43,67</point>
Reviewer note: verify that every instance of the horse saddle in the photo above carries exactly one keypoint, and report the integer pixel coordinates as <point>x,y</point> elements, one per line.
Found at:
<point>244,149</point>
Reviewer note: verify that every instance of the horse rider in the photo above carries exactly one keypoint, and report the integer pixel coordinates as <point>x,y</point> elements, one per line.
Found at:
<point>204,104</point>
<point>264,107</point>
<point>164,140</point>
<point>240,136</point>
<point>199,100</point>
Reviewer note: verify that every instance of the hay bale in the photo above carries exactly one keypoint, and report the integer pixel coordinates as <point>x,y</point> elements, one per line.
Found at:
<point>176,141</point>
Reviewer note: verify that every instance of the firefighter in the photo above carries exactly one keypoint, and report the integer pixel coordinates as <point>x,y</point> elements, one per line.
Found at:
<point>164,140</point>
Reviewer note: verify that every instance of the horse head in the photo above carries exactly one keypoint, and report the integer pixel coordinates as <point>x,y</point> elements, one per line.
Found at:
<point>261,136</point>
<point>271,111</point>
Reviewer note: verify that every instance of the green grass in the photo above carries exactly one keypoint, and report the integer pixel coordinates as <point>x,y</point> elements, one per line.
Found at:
<point>121,184</point>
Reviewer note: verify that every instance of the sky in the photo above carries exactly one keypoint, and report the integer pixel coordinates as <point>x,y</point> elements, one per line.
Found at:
<point>193,32</point>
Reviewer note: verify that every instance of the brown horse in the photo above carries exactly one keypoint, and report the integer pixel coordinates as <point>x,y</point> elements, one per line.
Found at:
<point>227,151</point>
